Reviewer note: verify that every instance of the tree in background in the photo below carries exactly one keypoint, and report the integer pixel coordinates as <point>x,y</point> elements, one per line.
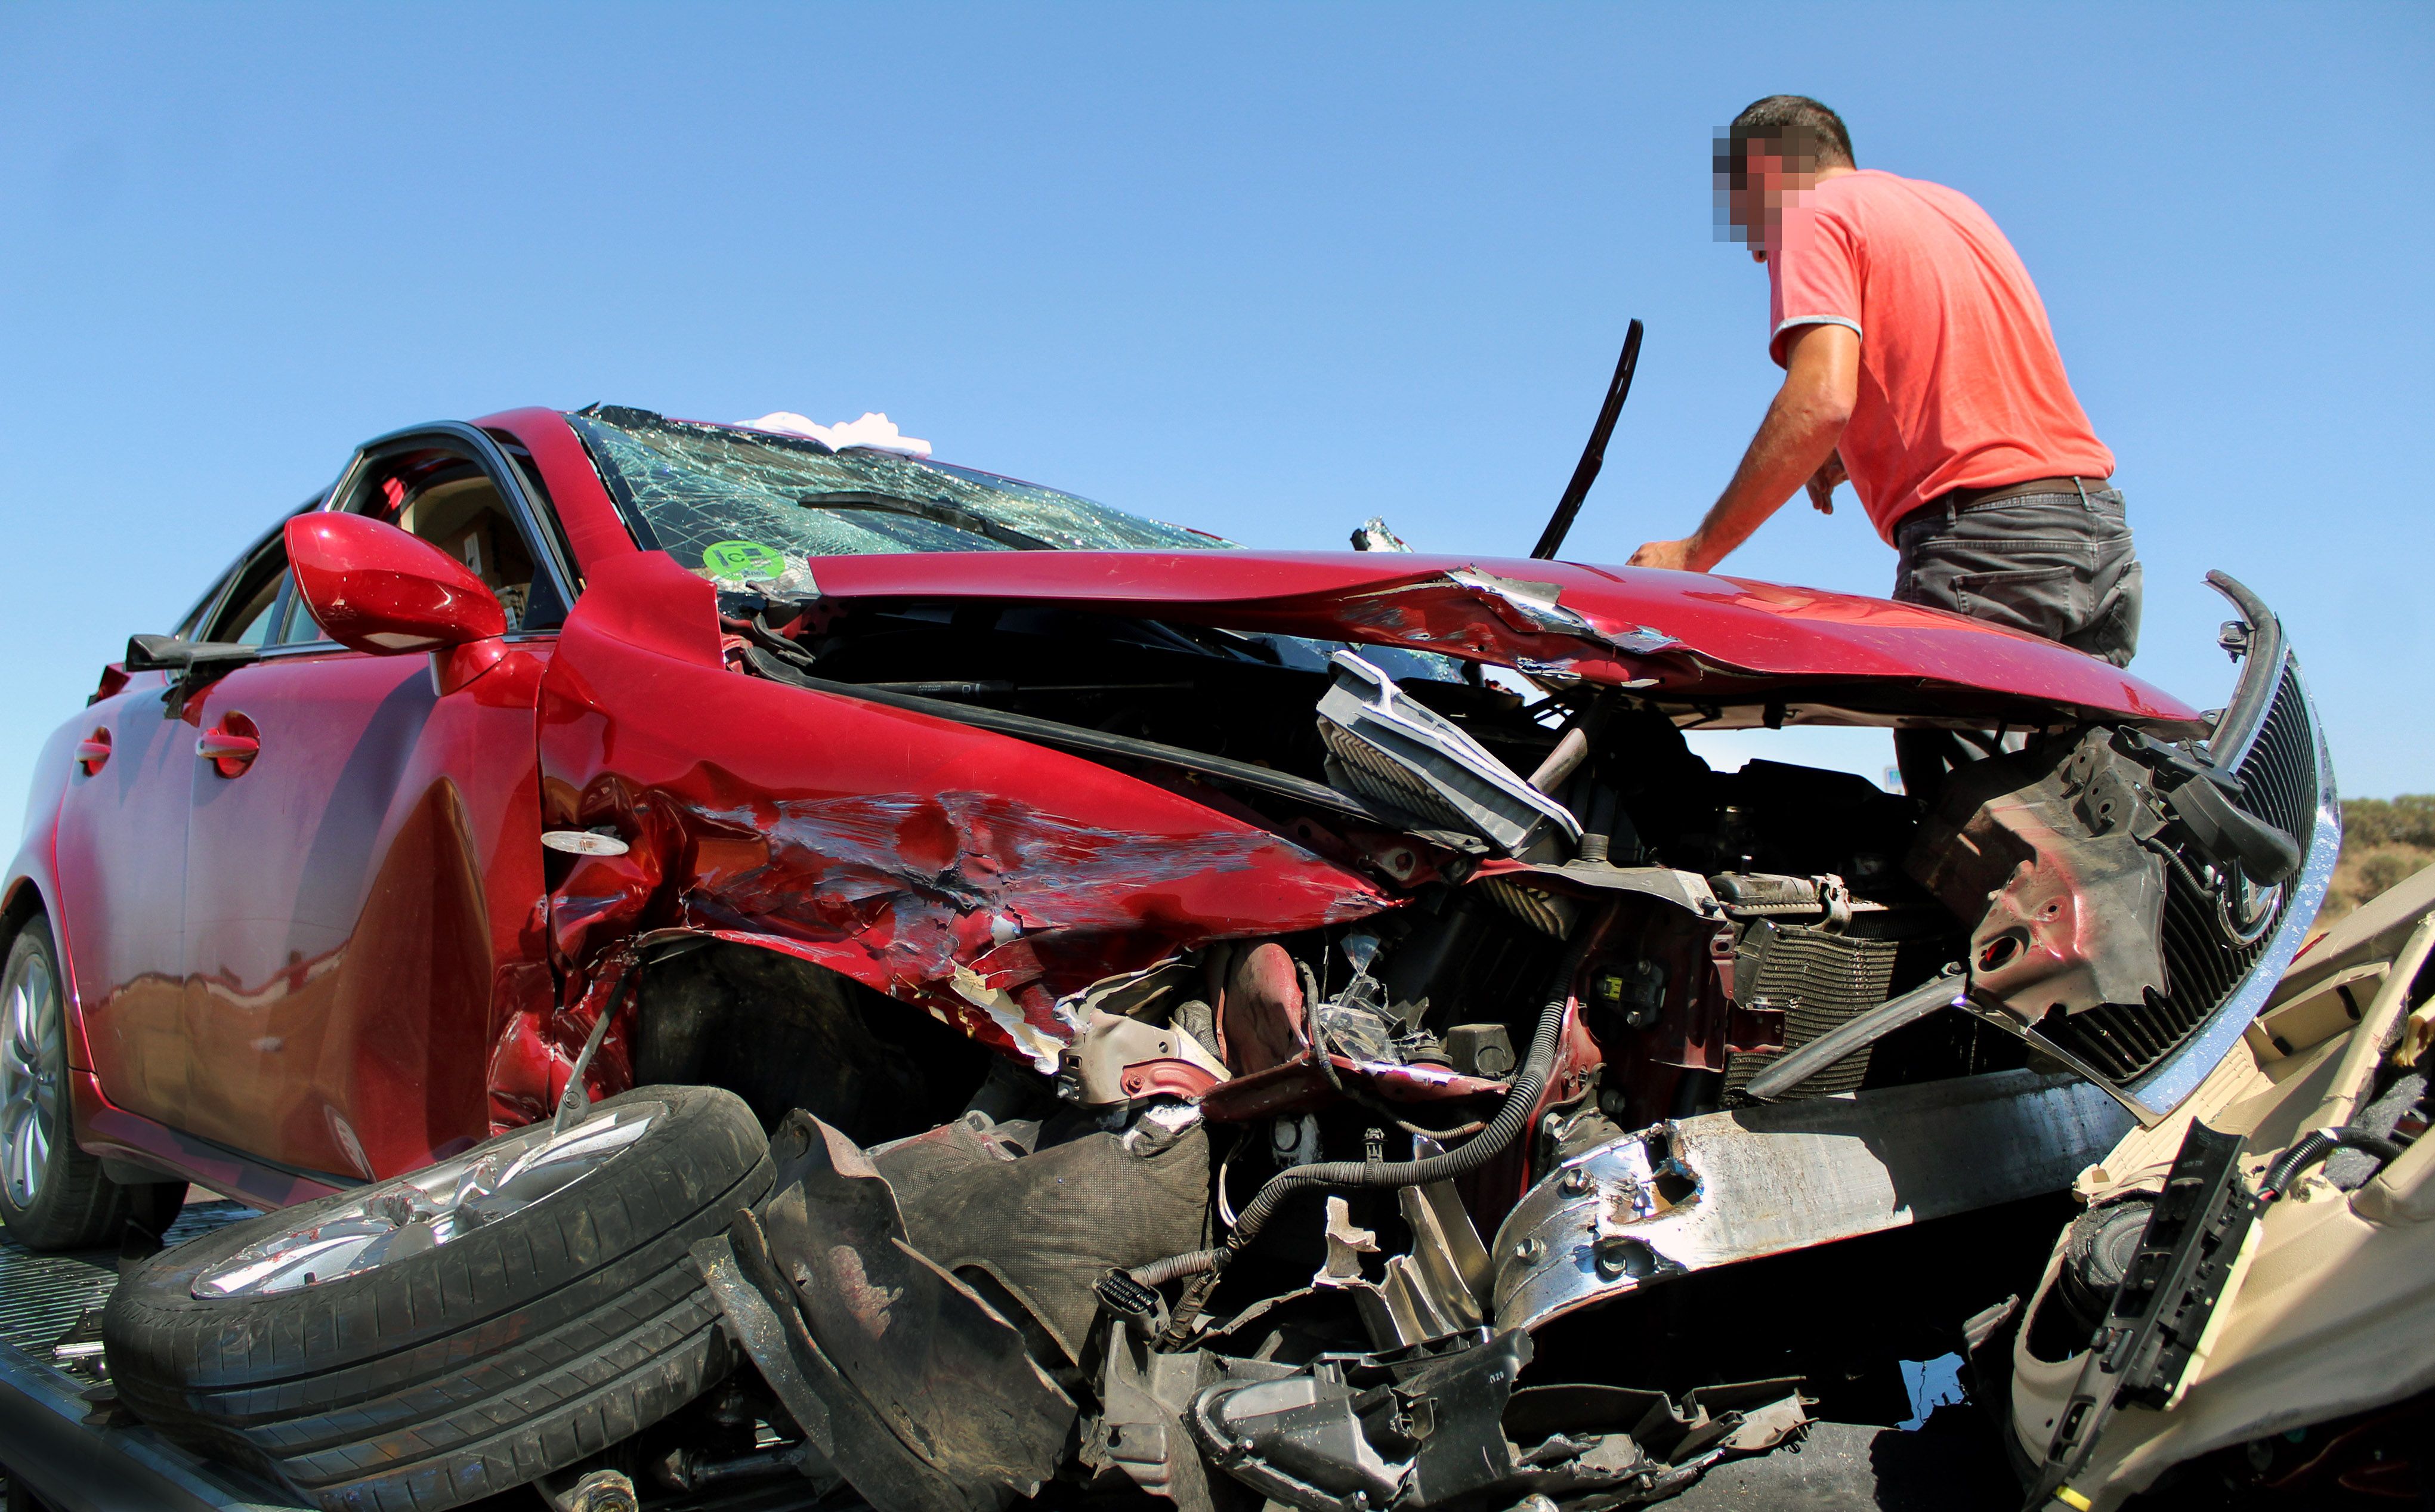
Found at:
<point>2384,840</point>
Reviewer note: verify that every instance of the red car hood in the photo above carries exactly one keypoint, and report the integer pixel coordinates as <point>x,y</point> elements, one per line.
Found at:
<point>1681,634</point>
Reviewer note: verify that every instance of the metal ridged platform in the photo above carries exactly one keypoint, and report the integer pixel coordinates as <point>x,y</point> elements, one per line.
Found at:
<point>50,1305</point>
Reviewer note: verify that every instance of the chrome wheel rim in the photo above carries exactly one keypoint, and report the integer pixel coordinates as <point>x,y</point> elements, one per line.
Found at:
<point>412,1214</point>
<point>30,1077</point>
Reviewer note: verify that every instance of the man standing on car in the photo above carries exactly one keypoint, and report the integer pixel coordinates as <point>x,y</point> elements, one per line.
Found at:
<point>1918,362</point>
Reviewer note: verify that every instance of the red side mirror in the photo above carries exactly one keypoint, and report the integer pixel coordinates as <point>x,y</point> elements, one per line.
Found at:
<point>375,588</point>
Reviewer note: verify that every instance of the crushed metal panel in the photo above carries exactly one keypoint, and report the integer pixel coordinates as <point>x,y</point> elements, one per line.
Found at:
<point>762,1318</point>
<point>2046,855</point>
<point>915,1346</point>
<point>1699,1192</point>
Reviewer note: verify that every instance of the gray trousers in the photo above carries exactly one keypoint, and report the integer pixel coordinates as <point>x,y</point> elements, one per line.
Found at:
<point>2059,565</point>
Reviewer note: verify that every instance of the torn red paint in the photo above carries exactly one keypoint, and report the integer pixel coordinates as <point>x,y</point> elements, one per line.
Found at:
<point>985,906</point>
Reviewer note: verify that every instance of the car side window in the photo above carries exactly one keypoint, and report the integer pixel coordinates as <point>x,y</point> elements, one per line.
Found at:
<point>247,617</point>
<point>299,628</point>
<point>453,504</point>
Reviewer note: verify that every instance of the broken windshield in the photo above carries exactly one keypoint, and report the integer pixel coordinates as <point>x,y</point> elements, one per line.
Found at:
<point>746,506</point>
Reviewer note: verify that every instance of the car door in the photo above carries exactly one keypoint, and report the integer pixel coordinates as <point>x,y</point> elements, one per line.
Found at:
<point>363,854</point>
<point>120,862</point>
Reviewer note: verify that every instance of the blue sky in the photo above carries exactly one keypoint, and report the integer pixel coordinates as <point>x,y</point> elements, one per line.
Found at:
<point>1264,269</point>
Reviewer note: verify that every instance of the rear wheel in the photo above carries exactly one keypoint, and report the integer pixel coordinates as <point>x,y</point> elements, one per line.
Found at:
<point>52,1195</point>
<point>425,1341</point>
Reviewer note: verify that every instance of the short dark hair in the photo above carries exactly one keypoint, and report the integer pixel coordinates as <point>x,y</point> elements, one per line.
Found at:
<point>1804,126</point>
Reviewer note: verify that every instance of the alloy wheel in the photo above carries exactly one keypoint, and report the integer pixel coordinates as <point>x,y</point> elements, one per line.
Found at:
<point>429,1208</point>
<point>30,1077</point>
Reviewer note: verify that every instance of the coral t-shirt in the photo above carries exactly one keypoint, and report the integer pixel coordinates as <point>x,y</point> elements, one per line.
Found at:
<point>1961,384</point>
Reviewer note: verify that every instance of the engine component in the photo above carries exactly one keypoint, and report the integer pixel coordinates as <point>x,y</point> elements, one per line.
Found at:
<point>1118,1059</point>
<point>1144,1396</point>
<point>1551,913</point>
<point>1480,1049</point>
<point>1294,1141</point>
<point>1261,1020</point>
<point>1375,1431</point>
<point>1633,992</point>
<point>1816,981</point>
<point>1767,895</point>
<point>1513,1116</point>
<point>1385,746</point>
<point>1473,960</point>
<point>1443,1426</point>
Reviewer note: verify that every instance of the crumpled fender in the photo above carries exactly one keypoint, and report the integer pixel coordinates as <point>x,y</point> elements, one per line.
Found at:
<point>981,877</point>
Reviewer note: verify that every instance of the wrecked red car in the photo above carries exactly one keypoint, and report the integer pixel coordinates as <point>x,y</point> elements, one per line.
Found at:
<point>730,957</point>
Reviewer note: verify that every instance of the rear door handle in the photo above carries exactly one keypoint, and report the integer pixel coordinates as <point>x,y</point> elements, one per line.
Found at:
<point>232,746</point>
<point>93,750</point>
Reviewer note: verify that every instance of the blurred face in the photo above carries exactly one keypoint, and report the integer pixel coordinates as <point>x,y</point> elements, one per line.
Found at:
<point>1754,187</point>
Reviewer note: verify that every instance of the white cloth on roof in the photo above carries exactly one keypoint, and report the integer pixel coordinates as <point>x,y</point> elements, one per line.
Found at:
<point>874,432</point>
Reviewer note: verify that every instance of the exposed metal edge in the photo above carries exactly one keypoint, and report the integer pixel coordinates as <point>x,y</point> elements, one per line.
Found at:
<point>44,1443</point>
<point>2179,1075</point>
<point>1763,1180</point>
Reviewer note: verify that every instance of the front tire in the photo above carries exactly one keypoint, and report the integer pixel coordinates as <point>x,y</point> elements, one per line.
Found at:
<point>417,1343</point>
<point>52,1195</point>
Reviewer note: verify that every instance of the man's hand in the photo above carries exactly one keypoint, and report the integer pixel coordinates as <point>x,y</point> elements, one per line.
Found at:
<point>1680,556</point>
<point>1795,443</point>
<point>1822,483</point>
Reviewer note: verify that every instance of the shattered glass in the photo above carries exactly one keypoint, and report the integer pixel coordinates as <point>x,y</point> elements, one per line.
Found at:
<point>723,501</point>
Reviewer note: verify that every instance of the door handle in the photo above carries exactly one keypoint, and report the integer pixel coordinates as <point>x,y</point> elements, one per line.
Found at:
<point>92,751</point>
<point>230,748</point>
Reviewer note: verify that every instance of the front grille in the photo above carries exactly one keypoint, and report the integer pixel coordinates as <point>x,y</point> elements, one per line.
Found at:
<point>2279,782</point>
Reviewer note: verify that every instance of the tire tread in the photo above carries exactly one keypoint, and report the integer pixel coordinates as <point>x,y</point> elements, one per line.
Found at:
<point>485,1362</point>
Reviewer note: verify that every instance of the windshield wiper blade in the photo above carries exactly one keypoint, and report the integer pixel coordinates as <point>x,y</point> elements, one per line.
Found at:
<point>937,512</point>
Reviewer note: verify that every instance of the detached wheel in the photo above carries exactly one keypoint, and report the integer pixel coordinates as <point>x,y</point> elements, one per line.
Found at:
<point>435,1338</point>
<point>52,1195</point>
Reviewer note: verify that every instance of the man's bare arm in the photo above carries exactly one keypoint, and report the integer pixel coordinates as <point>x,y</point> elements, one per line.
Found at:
<point>1821,380</point>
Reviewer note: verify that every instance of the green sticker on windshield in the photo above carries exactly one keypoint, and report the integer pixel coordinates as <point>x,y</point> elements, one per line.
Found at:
<point>740,561</point>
